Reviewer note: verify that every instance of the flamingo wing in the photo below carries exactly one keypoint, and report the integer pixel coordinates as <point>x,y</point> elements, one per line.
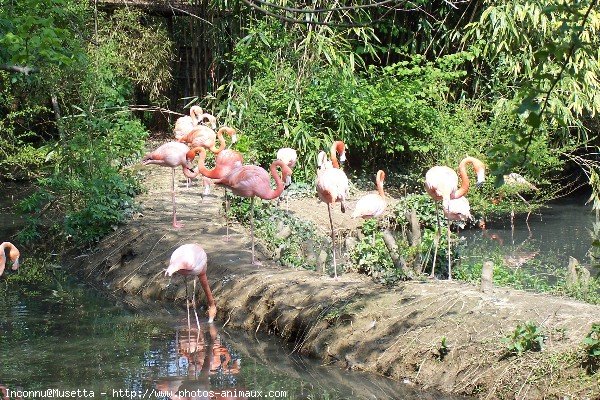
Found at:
<point>371,205</point>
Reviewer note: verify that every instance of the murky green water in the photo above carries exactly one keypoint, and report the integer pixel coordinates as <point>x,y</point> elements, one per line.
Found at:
<point>543,241</point>
<point>77,343</point>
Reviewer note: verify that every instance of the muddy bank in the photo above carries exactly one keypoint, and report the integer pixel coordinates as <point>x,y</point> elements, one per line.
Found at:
<point>395,332</point>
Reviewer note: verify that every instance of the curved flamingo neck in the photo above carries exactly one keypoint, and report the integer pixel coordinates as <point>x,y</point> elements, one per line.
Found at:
<point>337,147</point>
<point>464,177</point>
<point>285,171</point>
<point>379,182</point>
<point>209,173</point>
<point>194,112</point>
<point>4,245</point>
<point>217,150</point>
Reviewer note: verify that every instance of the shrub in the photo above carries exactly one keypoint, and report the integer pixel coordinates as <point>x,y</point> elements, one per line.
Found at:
<point>525,337</point>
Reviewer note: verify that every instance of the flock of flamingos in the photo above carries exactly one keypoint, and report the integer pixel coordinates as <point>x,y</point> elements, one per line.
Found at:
<point>195,134</point>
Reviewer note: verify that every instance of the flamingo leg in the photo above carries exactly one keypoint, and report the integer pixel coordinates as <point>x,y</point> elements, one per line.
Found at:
<point>212,307</point>
<point>449,255</point>
<point>437,239</point>
<point>332,242</point>
<point>187,304</point>
<point>254,261</point>
<point>226,215</point>
<point>194,305</point>
<point>176,224</point>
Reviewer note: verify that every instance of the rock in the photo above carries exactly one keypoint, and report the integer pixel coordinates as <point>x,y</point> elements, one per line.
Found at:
<point>487,277</point>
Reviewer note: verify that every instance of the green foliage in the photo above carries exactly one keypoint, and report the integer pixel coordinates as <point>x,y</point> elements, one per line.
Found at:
<point>525,337</point>
<point>133,51</point>
<point>371,257</point>
<point>88,183</point>
<point>269,221</point>
<point>80,159</point>
<point>592,348</point>
<point>34,33</point>
<point>34,277</point>
<point>443,350</point>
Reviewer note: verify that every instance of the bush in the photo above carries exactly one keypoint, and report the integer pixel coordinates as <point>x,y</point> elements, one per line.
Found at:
<point>526,337</point>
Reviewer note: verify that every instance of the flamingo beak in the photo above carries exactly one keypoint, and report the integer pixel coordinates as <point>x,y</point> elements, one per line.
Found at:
<point>288,181</point>
<point>234,138</point>
<point>343,157</point>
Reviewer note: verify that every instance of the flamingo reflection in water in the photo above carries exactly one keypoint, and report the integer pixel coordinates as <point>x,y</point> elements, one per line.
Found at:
<point>208,367</point>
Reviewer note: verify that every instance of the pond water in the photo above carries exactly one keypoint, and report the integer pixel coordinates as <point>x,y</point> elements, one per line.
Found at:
<point>77,340</point>
<point>546,238</point>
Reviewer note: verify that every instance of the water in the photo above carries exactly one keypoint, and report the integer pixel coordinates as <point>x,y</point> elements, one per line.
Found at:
<point>74,339</point>
<point>547,239</point>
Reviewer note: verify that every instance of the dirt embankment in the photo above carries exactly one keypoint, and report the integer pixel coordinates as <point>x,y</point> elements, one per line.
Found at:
<point>396,332</point>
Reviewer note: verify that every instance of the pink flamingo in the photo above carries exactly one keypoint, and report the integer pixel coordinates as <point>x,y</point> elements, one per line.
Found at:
<point>338,147</point>
<point>13,255</point>
<point>186,124</point>
<point>171,154</point>
<point>288,156</point>
<point>205,137</point>
<point>441,183</point>
<point>458,210</point>
<point>372,205</point>
<point>225,162</point>
<point>332,186</point>
<point>254,181</point>
<point>191,260</point>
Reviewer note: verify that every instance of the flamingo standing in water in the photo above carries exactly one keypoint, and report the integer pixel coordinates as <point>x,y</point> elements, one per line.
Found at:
<point>288,156</point>
<point>186,124</point>
<point>171,154</point>
<point>225,162</point>
<point>254,181</point>
<point>13,255</point>
<point>332,186</point>
<point>441,183</point>
<point>191,260</point>
<point>372,205</point>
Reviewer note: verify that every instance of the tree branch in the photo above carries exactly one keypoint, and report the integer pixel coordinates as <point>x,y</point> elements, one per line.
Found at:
<point>302,21</point>
<point>18,68</point>
<point>324,10</point>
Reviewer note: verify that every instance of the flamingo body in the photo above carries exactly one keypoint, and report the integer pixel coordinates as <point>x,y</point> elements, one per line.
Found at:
<point>171,154</point>
<point>458,210</point>
<point>372,205</point>
<point>254,181</point>
<point>201,136</point>
<point>289,157</point>
<point>191,260</point>
<point>186,124</point>
<point>13,255</point>
<point>441,182</point>
<point>332,186</point>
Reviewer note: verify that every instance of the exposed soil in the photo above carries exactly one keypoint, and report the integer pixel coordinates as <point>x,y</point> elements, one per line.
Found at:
<point>395,332</point>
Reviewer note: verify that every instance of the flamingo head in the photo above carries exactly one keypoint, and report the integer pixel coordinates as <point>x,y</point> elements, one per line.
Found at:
<point>209,120</point>
<point>480,171</point>
<point>147,159</point>
<point>340,148</point>
<point>323,161</point>
<point>16,264</point>
<point>189,158</point>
